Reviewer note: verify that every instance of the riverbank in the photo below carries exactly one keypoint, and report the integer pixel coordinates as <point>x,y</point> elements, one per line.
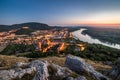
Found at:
<point>109,35</point>
<point>86,38</point>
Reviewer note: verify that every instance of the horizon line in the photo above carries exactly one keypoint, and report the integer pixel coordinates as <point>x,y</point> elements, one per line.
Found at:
<point>81,24</point>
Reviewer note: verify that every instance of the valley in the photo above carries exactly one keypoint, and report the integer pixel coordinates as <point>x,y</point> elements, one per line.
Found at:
<point>25,45</point>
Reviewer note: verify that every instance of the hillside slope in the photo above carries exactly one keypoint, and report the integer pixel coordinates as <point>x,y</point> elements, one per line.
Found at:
<point>31,25</point>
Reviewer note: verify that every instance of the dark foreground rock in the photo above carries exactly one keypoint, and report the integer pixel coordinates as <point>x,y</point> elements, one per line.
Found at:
<point>115,72</point>
<point>78,65</point>
<point>37,68</point>
<point>78,78</point>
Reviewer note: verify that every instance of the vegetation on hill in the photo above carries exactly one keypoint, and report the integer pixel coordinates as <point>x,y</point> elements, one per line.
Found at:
<point>24,31</point>
<point>100,53</point>
<point>35,26</point>
<point>31,25</point>
<point>13,49</point>
<point>95,52</point>
<point>71,29</point>
<point>4,28</point>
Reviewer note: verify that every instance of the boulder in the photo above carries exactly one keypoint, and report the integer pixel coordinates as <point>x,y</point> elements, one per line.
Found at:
<point>77,64</point>
<point>20,65</point>
<point>39,68</point>
<point>42,70</point>
<point>108,63</point>
<point>12,73</point>
<point>78,78</point>
<point>7,74</point>
<point>61,71</point>
<point>115,72</point>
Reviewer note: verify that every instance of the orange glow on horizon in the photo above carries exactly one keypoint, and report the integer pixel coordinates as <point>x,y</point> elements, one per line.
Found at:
<point>95,19</point>
<point>97,24</point>
<point>93,24</point>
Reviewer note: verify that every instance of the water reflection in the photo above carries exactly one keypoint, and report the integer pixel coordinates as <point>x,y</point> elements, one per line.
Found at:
<point>86,38</point>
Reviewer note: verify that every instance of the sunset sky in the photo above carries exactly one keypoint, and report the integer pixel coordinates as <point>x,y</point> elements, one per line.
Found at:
<point>61,12</point>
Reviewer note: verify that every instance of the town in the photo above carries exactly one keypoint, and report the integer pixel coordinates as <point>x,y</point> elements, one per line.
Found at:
<point>43,40</point>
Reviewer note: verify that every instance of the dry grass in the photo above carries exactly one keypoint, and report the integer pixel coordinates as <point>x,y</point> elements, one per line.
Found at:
<point>61,60</point>
<point>98,65</point>
<point>57,60</point>
<point>8,61</point>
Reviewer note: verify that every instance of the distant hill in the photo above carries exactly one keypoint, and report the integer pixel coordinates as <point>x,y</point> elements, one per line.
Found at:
<point>4,27</point>
<point>34,26</point>
<point>24,31</point>
<point>31,25</point>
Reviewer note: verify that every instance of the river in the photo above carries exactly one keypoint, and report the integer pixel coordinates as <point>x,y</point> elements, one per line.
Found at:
<point>86,38</point>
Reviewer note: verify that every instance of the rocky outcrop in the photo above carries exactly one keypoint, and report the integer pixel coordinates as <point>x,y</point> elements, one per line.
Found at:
<point>115,72</point>
<point>78,78</point>
<point>20,65</point>
<point>15,73</point>
<point>61,71</point>
<point>39,68</point>
<point>108,63</point>
<point>42,70</point>
<point>78,65</point>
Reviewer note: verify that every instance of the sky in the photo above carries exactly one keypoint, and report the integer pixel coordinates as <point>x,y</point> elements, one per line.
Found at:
<point>61,12</point>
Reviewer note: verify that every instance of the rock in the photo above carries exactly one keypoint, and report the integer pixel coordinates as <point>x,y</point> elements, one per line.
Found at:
<point>70,78</point>
<point>7,75</point>
<point>78,65</point>
<point>20,65</point>
<point>39,68</point>
<point>78,78</point>
<point>35,63</point>
<point>22,72</point>
<point>1,79</point>
<point>108,63</point>
<point>64,73</point>
<point>61,71</point>
<point>115,72</point>
<point>12,74</point>
<point>42,70</point>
